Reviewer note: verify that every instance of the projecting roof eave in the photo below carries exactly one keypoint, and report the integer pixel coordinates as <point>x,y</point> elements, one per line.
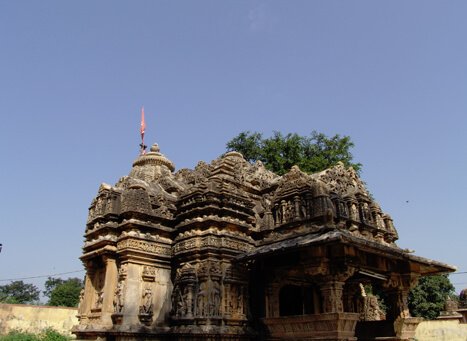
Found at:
<point>427,266</point>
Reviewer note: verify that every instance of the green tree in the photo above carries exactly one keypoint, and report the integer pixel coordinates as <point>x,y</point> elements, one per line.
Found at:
<point>19,292</point>
<point>279,153</point>
<point>63,292</point>
<point>50,284</point>
<point>428,297</point>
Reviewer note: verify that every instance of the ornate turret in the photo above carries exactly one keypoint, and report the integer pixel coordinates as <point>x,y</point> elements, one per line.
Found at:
<point>150,166</point>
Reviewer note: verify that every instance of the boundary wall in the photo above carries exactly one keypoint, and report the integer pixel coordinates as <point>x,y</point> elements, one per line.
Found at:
<point>441,330</point>
<point>36,318</point>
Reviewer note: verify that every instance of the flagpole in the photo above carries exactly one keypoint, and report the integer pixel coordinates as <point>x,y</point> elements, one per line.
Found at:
<point>142,131</point>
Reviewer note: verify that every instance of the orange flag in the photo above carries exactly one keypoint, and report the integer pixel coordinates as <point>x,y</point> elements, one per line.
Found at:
<point>143,123</point>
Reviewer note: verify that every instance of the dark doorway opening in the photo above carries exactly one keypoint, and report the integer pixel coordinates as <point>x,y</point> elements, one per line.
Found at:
<point>298,300</point>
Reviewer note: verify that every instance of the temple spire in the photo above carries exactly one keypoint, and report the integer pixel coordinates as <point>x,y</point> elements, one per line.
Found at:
<point>142,131</point>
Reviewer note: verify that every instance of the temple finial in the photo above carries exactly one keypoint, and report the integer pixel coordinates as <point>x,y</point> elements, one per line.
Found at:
<point>142,131</point>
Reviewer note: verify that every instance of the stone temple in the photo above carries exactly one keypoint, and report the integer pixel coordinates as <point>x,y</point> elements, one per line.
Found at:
<point>232,251</point>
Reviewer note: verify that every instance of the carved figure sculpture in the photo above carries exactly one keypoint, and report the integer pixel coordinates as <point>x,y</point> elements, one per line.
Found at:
<point>371,308</point>
<point>99,299</point>
<point>118,298</point>
<point>215,299</point>
<point>201,299</point>
<point>146,306</point>
<point>353,212</point>
<point>81,301</point>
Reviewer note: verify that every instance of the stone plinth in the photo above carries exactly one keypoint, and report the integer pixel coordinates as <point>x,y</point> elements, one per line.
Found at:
<point>331,326</point>
<point>405,327</point>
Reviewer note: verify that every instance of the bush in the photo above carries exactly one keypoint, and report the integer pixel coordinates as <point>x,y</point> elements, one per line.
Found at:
<point>52,335</point>
<point>19,336</point>
<point>47,335</point>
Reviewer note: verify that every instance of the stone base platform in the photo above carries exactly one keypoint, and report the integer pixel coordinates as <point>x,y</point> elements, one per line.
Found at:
<point>331,326</point>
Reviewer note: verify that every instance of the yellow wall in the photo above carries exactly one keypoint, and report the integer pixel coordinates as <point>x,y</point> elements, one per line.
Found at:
<point>440,330</point>
<point>34,319</point>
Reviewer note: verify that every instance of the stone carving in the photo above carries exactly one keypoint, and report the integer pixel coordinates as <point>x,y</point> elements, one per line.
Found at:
<point>149,272</point>
<point>354,216</point>
<point>218,242</point>
<point>371,309</point>
<point>81,302</point>
<point>179,302</point>
<point>258,176</point>
<point>184,291</point>
<point>146,246</point>
<point>136,200</point>
<point>118,300</point>
<point>202,299</point>
<point>99,299</point>
<point>208,298</point>
<point>237,298</point>
<point>146,302</point>
<point>332,293</point>
<point>123,271</point>
<point>450,305</point>
<point>343,181</point>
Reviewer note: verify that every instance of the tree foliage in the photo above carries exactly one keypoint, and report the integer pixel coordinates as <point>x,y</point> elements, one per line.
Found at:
<point>63,292</point>
<point>428,297</point>
<point>50,284</point>
<point>19,292</point>
<point>279,153</point>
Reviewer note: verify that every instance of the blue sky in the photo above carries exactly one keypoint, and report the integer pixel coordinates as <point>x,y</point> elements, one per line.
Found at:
<point>74,74</point>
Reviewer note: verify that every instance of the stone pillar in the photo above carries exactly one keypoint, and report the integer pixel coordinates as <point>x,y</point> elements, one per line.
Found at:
<point>189,299</point>
<point>332,293</point>
<point>110,283</point>
<point>297,202</point>
<point>86,304</point>
<point>350,297</point>
<point>308,205</point>
<point>403,303</point>
<point>398,291</point>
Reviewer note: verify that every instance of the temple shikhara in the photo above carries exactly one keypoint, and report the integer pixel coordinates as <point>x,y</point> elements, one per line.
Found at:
<point>232,251</point>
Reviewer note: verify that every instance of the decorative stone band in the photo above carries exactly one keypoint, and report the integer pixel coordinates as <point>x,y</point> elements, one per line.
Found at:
<point>145,246</point>
<point>195,243</point>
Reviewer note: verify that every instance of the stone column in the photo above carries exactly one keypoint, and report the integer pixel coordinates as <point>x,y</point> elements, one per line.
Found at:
<point>86,304</point>
<point>110,283</point>
<point>402,303</point>
<point>241,301</point>
<point>398,291</point>
<point>308,205</point>
<point>332,292</point>
<point>350,304</point>
<point>189,299</point>
<point>297,202</point>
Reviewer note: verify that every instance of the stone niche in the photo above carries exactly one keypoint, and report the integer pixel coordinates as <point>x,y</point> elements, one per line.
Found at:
<point>232,251</point>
